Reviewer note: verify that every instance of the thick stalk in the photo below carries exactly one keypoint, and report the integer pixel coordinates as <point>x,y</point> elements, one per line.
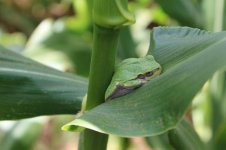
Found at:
<point>102,64</point>
<point>101,71</point>
<point>108,17</point>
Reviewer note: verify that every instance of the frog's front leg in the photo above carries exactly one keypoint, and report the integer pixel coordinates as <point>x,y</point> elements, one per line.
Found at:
<point>125,88</point>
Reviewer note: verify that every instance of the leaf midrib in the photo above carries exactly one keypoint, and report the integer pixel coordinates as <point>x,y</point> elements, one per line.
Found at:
<point>40,74</point>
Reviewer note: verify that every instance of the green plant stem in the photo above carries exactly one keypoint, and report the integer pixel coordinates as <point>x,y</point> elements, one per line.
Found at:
<point>102,64</point>
<point>101,71</point>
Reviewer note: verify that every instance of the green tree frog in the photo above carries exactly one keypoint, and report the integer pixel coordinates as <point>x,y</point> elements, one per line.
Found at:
<point>131,74</point>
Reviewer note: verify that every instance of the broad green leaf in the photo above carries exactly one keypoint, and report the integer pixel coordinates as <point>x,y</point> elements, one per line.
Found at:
<point>189,57</point>
<point>29,89</point>
<point>186,12</point>
<point>184,137</point>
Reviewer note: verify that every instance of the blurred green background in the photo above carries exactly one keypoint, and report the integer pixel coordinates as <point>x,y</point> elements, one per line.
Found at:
<point>58,33</point>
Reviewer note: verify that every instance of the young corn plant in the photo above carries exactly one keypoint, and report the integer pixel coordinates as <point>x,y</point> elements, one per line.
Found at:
<point>188,57</point>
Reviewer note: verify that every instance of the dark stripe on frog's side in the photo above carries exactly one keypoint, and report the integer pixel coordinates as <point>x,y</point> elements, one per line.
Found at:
<point>120,91</point>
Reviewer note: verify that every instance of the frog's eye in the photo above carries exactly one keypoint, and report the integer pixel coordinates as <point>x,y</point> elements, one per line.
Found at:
<point>141,76</point>
<point>150,73</point>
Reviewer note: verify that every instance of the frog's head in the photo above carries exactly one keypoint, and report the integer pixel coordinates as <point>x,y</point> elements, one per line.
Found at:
<point>149,70</point>
<point>144,68</point>
<point>130,74</point>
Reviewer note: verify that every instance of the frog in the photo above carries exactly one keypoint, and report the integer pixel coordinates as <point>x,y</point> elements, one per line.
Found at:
<point>131,74</point>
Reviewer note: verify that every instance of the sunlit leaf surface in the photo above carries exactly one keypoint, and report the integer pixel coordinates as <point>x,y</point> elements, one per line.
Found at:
<point>29,89</point>
<point>189,57</point>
